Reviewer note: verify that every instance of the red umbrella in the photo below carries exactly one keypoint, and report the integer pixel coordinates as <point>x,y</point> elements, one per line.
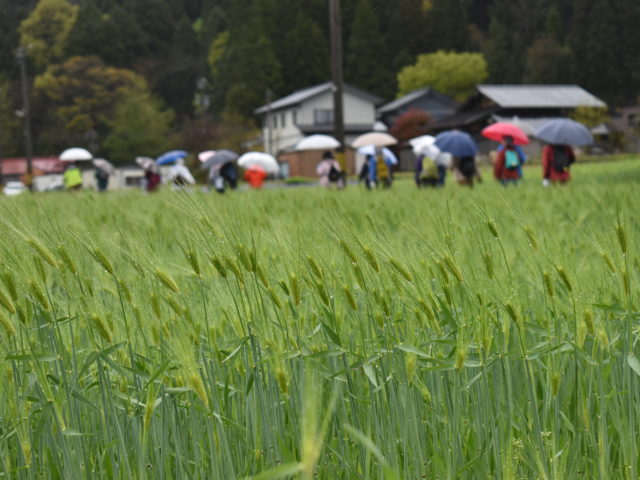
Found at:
<point>499,130</point>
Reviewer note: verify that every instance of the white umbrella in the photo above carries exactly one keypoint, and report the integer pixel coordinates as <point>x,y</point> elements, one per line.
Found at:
<point>104,165</point>
<point>261,159</point>
<point>422,141</point>
<point>204,156</point>
<point>378,139</point>
<point>389,156</point>
<point>75,155</point>
<point>317,142</point>
<point>147,163</point>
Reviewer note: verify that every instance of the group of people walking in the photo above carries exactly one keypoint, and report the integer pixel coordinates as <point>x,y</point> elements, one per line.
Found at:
<point>508,161</point>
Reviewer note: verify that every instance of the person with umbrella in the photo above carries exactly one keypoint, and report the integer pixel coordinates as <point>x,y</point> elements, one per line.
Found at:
<point>180,175</point>
<point>255,175</point>
<point>379,169</point>
<point>557,155</point>
<point>329,171</point>
<point>104,169</point>
<point>72,177</point>
<point>556,160</point>
<point>507,167</point>
<point>463,149</point>
<point>221,168</point>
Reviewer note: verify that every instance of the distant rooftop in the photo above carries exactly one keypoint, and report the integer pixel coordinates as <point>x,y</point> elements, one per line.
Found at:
<point>411,97</point>
<point>305,94</point>
<point>540,96</point>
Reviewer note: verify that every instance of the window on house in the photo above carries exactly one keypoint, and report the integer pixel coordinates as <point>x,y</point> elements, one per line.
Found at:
<point>283,120</point>
<point>322,116</point>
<point>295,117</point>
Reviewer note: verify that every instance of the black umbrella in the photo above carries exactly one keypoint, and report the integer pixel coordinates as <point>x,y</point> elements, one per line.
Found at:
<point>219,158</point>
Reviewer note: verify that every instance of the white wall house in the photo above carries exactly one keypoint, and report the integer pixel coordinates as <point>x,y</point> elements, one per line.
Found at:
<point>309,111</point>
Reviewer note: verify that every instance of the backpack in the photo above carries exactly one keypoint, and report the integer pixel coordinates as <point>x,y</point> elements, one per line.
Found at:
<point>561,160</point>
<point>334,174</point>
<point>467,166</point>
<point>511,159</point>
<point>429,168</point>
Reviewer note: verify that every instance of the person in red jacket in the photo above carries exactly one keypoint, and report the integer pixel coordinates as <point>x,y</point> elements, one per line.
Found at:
<point>255,175</point>
<point>556,160</point>
<point>506,168</point>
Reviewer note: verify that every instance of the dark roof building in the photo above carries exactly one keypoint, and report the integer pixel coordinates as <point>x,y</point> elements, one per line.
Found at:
<point>523,101</point>
<point>437,105</point>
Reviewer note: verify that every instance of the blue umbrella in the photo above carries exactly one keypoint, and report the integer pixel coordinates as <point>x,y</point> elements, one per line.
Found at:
<point>562,131</point>
<point>457,143</point>
<point>171,157</point>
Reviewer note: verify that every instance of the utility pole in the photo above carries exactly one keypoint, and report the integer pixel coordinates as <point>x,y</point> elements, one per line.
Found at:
<point>22,61</point>
<point>335,20</point>
<point>268,123</point>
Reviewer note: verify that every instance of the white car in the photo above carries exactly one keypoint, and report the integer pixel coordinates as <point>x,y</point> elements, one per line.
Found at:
<point>14,188</point>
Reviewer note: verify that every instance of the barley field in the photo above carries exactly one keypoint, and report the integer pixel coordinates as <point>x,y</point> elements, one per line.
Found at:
<point>302,333</point>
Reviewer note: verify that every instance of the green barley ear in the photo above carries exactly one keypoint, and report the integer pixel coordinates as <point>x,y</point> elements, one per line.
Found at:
<point>622,237</point>
<point>512,312</point>
<point>588,320</point>
<point>461,356</point>
<point>295,288</point>
<point>101,258</point>
<point>531,236</point>
<point>555,383</point>
<point>283,285</point>
<point>401,269</point>
<point>608,261</point>
<point>67,260</point>
<point>7,303</point>
<point>565,278</point>
<point>359,275</point>
<point>7,325</point>
<point>219,266</point>
<point>493,227</point>
<point>42,251</point>
<point>410,365</point>
<point>233,266</point>
<point>10,283</point>
<point>39,295</point>
<point>443,272</point>
<point>371,258</point>
<point>262,276</point>
<point>348,252</point>
<point>453,268</point>
<point>155,305</point>
<point>349,296</point>
<point>101,327</point>
<point>582,334</point>
<point>166,280</point>
<point>274,297</point>
<point>283,380</point>
<point>314,267</point>
<point>192,258</point>
<point>548,284</point>
<point>488,264</point>
<point>124,288</point>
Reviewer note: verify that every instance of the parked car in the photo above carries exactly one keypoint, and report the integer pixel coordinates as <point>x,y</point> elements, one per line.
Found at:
<point>14,188</point>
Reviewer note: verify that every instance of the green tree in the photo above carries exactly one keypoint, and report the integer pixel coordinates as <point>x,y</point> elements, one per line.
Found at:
<point>454,74</point>
<point>366,65</point>
<point>447,26</point>
<point>547,61</point>
<point>590,116</point>
<point>140,125</point>
<point>44,32</point>
<point>79,96</point>
<point>11,139</point>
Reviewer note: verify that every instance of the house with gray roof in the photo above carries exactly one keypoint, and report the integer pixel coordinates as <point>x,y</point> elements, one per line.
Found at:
<point>309,111</point>
<point>528,106</point>
<point>522,101</point>
<point>428,100</point>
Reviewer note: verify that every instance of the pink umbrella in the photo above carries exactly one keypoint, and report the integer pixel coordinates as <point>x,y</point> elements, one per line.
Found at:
<point>499,130</point>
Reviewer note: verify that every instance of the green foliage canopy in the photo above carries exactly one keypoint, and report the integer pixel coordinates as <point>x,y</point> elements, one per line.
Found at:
<point>454,74</point>
<point>44,32</point>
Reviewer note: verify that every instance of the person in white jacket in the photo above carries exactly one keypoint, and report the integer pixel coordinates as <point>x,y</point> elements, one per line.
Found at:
<point>180,175</point>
